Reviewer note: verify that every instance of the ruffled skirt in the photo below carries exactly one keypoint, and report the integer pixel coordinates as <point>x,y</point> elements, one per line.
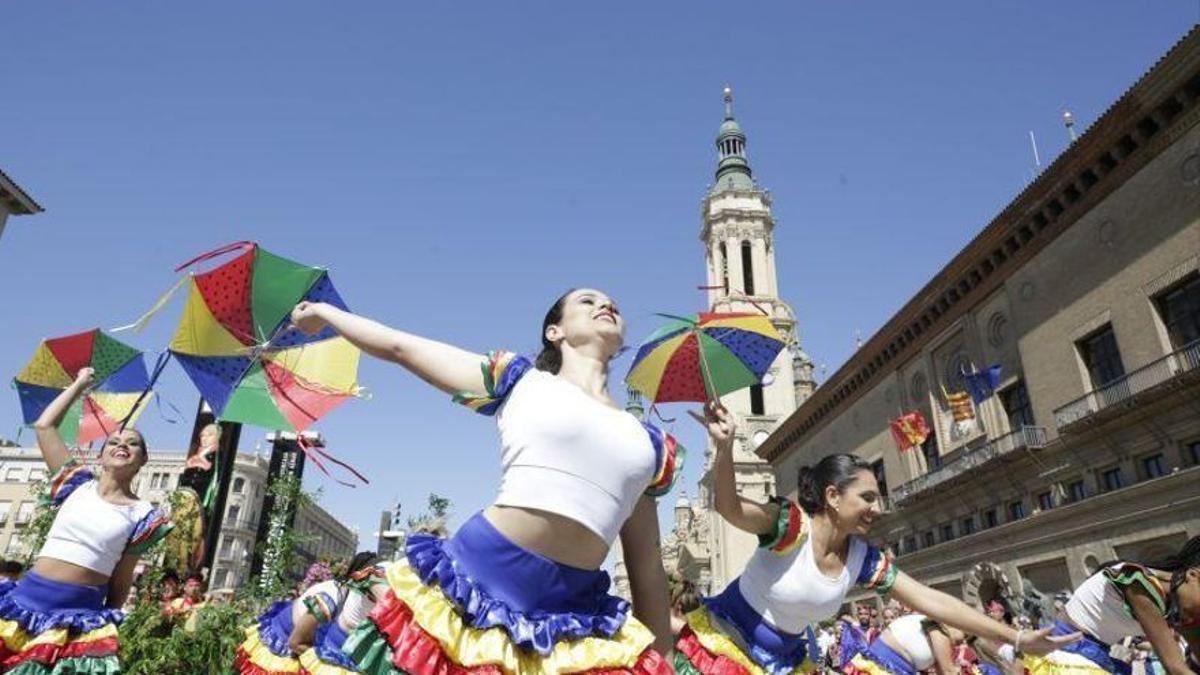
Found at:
<point>478,603</point>
<point>725,636</point>
<point>858,657</point>
<point>49,626</point>
<point>326,656</point>
<point>265,651</point>
<point>1087,656</point>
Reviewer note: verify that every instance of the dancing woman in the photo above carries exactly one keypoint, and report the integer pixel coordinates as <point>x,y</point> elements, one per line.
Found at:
<point>319,637</point>
<point>1158,599</point>
<point>519,586</point>
<point>812,552</point>
<point>908,644</point>
<point>62,616</point>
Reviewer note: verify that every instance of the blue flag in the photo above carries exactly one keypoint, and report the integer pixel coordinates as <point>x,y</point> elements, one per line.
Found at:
<point>982,385</point>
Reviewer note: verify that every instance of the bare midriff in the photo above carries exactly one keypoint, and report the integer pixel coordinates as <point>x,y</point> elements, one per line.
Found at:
<point>556,537</point>
<point>61,570</point>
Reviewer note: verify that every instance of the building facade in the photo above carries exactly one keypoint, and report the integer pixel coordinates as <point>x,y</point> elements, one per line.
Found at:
<point>326,536</point>
<point>1085,291</point>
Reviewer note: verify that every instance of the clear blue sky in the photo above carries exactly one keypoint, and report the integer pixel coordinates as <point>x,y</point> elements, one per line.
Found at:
<point>458,168</point>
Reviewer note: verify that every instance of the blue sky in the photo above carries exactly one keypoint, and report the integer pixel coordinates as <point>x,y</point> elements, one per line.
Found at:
<point>458,167</point>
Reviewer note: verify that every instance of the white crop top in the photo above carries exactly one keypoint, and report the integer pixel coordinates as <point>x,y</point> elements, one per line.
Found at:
<point>783,584</point>
<point>563,452</point>
<point>911,637</point>
<point>348,603</point>
<point>1098,606</point>
<point>93,533</point>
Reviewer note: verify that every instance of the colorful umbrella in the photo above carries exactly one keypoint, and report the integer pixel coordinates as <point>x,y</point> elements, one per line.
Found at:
<point>236,344</point>
<point>704,356</point>
<point>116,399</point>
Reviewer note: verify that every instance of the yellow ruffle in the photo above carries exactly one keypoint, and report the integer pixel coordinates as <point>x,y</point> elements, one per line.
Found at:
<point>865,665</point>
<point>1061,663</point>
<point>313,665</point>
<point>262,656</point>
<point>17,639</point>
<point>469,646</point>
<point>717,642</point>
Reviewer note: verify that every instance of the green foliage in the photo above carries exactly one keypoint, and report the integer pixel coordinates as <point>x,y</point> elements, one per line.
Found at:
<point>206,644</point>
<point>34,534</point>
<point>279,550</point>
<point>434,517</point>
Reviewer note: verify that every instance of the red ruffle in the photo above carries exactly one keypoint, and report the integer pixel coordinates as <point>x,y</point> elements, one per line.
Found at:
<point>51,654</point>
<point>244,666</point>
<point>705,661</point>
<point>416,652</point>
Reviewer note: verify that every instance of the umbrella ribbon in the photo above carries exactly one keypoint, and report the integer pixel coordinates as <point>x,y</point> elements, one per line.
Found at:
<point>220,251</point>
<point>315,453</point>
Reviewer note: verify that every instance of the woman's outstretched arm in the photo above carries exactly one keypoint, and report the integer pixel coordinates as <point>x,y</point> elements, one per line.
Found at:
<point>50,442</point>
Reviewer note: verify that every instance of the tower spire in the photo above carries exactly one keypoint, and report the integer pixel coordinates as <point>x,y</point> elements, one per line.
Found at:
<point>733,169</point>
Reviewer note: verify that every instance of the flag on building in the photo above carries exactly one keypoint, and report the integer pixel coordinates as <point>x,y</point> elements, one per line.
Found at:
<point>909,430</point>
<point>964,412</point>
<point>982,384</point>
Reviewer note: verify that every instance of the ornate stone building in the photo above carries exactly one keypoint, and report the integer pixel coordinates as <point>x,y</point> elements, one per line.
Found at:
<point>1085,290</point>
<point>737,230</point>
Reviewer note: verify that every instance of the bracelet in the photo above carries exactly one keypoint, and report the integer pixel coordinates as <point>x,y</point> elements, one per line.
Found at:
<point>1017,642</point>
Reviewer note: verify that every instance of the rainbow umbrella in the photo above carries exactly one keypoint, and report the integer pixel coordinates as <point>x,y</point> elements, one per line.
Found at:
<point>704,356</point>
<point>236,344</point>
<point>115,400</point>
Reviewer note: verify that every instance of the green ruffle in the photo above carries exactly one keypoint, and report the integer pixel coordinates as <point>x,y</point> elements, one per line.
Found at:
<point>368,648</point>
<point>77,665</point>
<point>683,666</point>
<point>1128,575</point>
<point>781,524</point>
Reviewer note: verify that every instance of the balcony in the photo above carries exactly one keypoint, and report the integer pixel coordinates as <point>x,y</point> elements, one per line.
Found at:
<point>1025,437</point>
<point>1123,390</point>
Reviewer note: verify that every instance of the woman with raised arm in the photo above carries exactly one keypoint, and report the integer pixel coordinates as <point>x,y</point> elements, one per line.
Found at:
<point>519,587</point>
<point>812,552</point>
<point>1158,599</point>
<point>62,616</point>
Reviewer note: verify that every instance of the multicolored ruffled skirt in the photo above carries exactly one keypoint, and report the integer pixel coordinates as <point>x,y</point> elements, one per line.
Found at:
<point>858,657</point>
<point>1086,656</point>
<point>725,636</point>
<point>326,657</point>
<point>478,603</point>
<point>49,626</point>
<point>266,651</point>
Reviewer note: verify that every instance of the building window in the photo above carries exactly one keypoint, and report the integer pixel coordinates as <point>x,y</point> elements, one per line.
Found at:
<point>13,475</point>
<point>929,540</point>
<point>724,267</point>
<point>222,577</point>
<point>1076,491</point>
<point>1016,511</point>
<point>13,549</point>
<point>1191,452</point>
<point>1153,466</point>
<point>747,268</point>
<point>5,508</point>
<point>880,476</point>
<point>232,514</point>
<point>1110,479</point>
<point>239,484</point>
<point>37,475</point>
<point>910,543</point>
<point>933,455</point>
<point>1045,501</point>
<point>1015,400</point>
<point>1101,357</point>
<point>756,400</point>
<point>1180,310</point>
<point>990,519</point>
<point>968,525</point>
<point>226,547</point>
<point>24,513</point>
<point>947,532</point>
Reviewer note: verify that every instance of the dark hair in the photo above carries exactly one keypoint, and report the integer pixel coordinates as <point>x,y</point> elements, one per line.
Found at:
<point>1177,564</point>
<point>11,567</point>
<point>362,560</point>
<point>550,358</point>
<point>685,597</point>
<point>838,470</point>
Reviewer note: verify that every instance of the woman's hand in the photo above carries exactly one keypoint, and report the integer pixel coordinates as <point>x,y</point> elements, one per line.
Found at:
<point>1040,642</point>
<point>308,319</point>
<point>719,424</point>
<point>85,379</point>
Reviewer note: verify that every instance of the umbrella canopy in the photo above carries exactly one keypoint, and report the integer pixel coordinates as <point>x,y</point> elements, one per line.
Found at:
<point>236,344</point>
<point>116,399</point>
<point>704,356</point>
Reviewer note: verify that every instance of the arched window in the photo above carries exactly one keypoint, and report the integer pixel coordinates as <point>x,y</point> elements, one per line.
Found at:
<point>757,407</point>
<point>747,271</point>
<point>239,484</point>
